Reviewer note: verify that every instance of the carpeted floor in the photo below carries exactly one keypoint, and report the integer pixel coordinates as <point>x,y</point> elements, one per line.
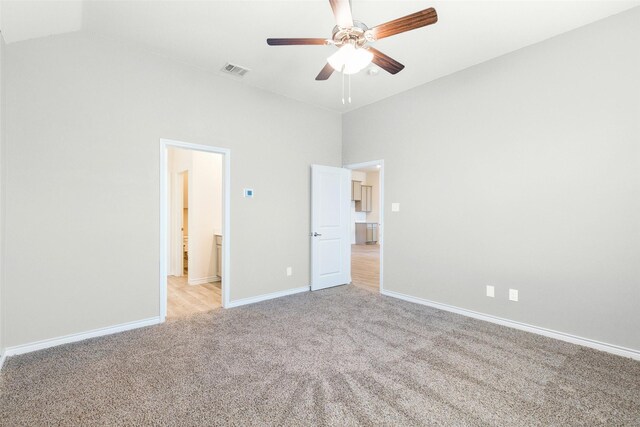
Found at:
<point>342,356</point>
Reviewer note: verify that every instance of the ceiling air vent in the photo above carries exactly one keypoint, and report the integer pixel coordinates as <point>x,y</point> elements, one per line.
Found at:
<point>235,70</point>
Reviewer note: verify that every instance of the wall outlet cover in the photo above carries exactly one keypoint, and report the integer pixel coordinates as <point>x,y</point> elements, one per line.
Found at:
<point>513,295</point>
<point>491,291</point>
<point>395,207</point>
<point>289,271</point>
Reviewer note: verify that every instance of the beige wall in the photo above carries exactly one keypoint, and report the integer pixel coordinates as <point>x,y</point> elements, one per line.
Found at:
<point>205,214</point>
<point>527,168</point>
<point>521,172</point>
<point>84,122</point>
<point>2,199</point>
<point>179,163</point>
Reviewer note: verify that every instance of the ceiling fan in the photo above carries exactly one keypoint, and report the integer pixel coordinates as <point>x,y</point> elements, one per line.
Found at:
<point>353,39</point>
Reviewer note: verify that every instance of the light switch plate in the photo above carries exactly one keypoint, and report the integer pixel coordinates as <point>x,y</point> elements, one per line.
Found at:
<point>513,295</point>
<point>395,207</point>
<point>289,271</point>
<point>491,291</point>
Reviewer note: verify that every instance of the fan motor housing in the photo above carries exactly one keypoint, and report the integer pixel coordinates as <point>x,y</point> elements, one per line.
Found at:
<point>359,35</point>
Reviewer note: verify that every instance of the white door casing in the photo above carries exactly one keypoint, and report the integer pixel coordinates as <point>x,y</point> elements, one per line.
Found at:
<point>378,165</point>
<point>164,219</point>
<point>330,216</point>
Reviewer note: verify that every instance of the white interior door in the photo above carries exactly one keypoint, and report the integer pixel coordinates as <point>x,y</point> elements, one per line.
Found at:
<point>330,243</point>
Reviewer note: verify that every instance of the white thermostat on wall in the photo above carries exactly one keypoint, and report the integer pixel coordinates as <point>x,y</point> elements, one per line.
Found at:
<point>248,192</point>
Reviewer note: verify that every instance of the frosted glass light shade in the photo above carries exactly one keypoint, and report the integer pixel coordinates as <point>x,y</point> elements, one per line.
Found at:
<point>349,59</point>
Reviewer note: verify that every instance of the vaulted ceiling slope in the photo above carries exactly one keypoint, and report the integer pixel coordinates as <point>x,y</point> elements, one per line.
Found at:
<point>31,19</point>
<point>208,34</point>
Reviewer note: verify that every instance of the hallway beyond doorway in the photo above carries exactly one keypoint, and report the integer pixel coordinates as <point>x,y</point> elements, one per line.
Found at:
<point>365,267</point>
<point>185,299</point>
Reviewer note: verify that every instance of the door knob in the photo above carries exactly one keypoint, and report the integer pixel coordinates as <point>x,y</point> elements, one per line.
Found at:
<point>316,234</point>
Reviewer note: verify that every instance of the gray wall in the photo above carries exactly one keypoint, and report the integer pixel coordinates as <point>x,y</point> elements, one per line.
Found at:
<point>521,172</point>
<point>84,120</point>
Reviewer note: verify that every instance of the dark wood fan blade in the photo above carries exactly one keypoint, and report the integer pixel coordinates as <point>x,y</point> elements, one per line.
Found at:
<point>289,42</point>
<point>325,73</point>
<point>406,23</point>
<point>342,12</point>
<point>385,62</point>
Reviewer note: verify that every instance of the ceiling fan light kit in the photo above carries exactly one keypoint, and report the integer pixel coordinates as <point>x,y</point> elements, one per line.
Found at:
<point>349,59</point>
<point>353,39</point>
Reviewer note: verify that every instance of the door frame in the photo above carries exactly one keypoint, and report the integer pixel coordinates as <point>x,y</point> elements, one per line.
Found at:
<point>164,215</point>
<point>381,230</point>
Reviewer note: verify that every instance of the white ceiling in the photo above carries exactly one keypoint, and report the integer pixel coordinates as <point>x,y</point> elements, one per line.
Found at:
<point>208,34</point>
<point>29,19</point>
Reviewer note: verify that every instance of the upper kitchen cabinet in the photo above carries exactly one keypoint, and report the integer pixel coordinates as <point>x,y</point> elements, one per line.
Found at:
<point>356,190</point>
<point>365,203</point>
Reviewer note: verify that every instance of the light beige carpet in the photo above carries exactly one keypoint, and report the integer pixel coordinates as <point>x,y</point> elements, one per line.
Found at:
<point>341,357</point>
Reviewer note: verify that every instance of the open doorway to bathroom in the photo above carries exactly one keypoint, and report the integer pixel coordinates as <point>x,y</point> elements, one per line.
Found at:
<point>181,185</point>
<point>194,221</point>
<point>366,225</point>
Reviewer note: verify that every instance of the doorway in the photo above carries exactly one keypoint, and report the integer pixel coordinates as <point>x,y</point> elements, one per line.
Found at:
<point>181,203</point>
<point>194,232</point>
<point>366,234</point>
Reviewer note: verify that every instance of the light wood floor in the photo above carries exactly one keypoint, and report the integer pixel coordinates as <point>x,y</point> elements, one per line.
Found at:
<point>184,299</point>
<point>365,266</point>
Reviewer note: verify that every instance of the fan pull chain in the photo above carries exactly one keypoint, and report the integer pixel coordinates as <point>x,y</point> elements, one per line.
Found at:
<point>349,88</point>
<point>343,88</point>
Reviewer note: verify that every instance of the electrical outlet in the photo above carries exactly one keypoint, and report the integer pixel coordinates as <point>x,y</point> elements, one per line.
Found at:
<point>490,291</point>
<point>395,207</point>
<point>513,295</point>
<point>289,271</point>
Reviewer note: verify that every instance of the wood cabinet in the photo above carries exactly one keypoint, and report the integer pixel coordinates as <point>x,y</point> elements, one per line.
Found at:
<point>218,255</point>
<point>365,203</point>
<point>366,233</point>
<point>356,190</point>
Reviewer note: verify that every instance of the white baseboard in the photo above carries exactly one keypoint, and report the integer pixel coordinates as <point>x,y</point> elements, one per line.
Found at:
<point>52,342</point>
<point>586,342</point>
<point>2,357</point>
<point>202,280</point>
<point>252,300</point>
